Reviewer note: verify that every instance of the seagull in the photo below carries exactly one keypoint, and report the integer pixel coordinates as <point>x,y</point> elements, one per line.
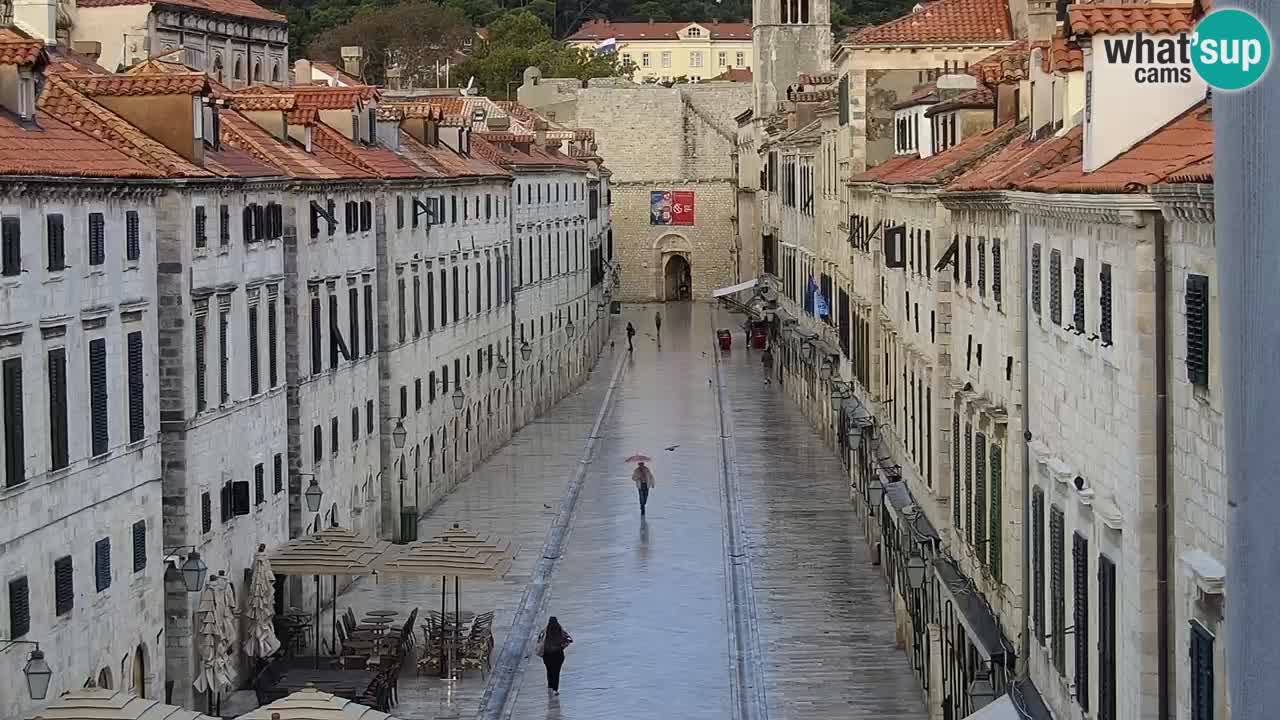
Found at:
<point>546,506</point>
<point>672,448</point>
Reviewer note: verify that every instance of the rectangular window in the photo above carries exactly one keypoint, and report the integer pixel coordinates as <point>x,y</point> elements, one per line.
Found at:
<point>982,267</point>
<point>997,291</point>
<point>97,239</point>
<point>722,58</point>
<point>1035,278</point>
<point>98,424</point>
<point>259,484</point>
<point>337,348</point>
<point>1055,287</point>
<point>1104,304</point>
<point>368,417</point>
<point>417,306</point>
<point>64,588</point>
<point>255,384</point>
<point>1077,296</point>
<point>317,353</point>
<point>224,225</point>
<point>11,239</point>
<point>400,308</point>
<point>273,376</point>
<point>353,320</point>
<point>1080,620</point>
<point>400,212</point>
<point>277,473</point>
<point>1198,329</point>
<point>224,349</point>
<point>956,496</point>
<point>56,240</point>
<point>201,308</point>
<point>666,58</point>
<point>58,450</point>
<point>1107,639</point>
<point>431,301</point>
<point>132,236</point>
<point>206,512</point>
<point>317,444</point>
<point>102,564</point>
<point>15,471</point>
<point>404,400</point>
<point>355,425</point>
<point>202,228</point>
<point>137,402</point>
<point>968,261</point>
<point>968,480</point>
<point>368,321</point>
<point>995,538</point>
<point>140,546</point>
<point>1057,589</point>
<point>1202,704</point>
<point>19,607</point>
<point>456,305</point>
<point>740,59</point>
<point>333,436</point>
<point>980,494</point>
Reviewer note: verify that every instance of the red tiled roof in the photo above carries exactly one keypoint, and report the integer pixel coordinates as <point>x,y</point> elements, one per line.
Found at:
<point>923,95</point>
<point>230,161</point>
<point>443,162</point>
<point>1060,55</point>
<point>502,148</point>
<point>941,168</point>
<point>227,8</point>
<point>1007,65</point>
<point>189,83</point>
<point>944,21</point>
<point>336,73</point>
<point>290,157</point>
<point>54,148</point>
<point>1118,19</point>
<point>1201,172</point>
<point>1182,145</point>
<point>64,60</point>
<point>1021,160</point>
<point>282,102</point>
<point>741,75</point>
<point>374,159</point>
<point>632,31</point>
<point>323,97</point>
<point>980,97</point>
<point>817,78</point>
<point>16,48</point>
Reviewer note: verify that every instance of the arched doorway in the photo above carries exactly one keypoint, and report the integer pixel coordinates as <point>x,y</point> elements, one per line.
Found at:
<point>104,679</point>
<point>140,671</point>
<point>677,278</point>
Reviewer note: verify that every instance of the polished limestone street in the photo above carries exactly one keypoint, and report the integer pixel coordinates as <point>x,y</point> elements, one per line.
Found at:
<point>745,591</point>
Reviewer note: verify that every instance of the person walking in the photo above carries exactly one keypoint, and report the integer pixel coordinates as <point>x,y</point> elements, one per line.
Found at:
<point>766,359</point>
<point>551,644</point>
<point>643,478</point>
<point>631,333</point>
<point>657,322</point>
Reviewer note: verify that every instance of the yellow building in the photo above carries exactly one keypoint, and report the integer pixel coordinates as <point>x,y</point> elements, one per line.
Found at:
<point>670,50</point>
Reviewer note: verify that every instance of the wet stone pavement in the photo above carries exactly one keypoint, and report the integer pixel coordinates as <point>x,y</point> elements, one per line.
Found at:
<point>646,599</point>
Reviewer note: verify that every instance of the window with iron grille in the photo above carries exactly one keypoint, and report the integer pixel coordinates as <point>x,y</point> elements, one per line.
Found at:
<point>206,512</point>
<point>202,228</point>
<point>102,564</point>
<point>97,239</point>
<point>982,267</point>
<point>1055,287</point>
<point>1198,329</point>
<point>1077,294</point>
<point>997,289</point>
<point>968,480</point>
<point>980,494</point>
<point>1057,589</point>
<point>277,474</point>
<point>132,236</point>
<point>995,550</point>
<point>224,349</point>
<point>317,444</point>
<point>140,546</point>
<point>19,607</point>
<point>137,403</point>
<point>98,422</point>
<point>368,417</point>
<point>224,225</point>
<point>1104,304</point>
<point>368,321</point>
<point>15,469</point>
<point>1080,587</point>
<point>1037,563</point>
<point>58,450</point>
<point>201,331</point>
<point>64,587</point>
<point>1201,672</point>
<point>333,436</point>
<point>55,237</point>
<point>1035,278</point>
<point>259,484</point>
<point>1106,639</point>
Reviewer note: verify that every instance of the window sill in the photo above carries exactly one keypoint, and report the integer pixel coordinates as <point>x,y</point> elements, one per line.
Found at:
<point>131,265</point>
<point>100,459</point>
<point>135,445</point>
<point>55,276</point>
<point>95,271</point>
<point>224,250</point>
<point>200,252</point>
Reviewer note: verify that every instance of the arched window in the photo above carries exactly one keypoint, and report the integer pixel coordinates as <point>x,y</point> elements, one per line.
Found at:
<point>257,72</point>
<point>237,72</point>
<point>275,72</point>
<point>217,67</point>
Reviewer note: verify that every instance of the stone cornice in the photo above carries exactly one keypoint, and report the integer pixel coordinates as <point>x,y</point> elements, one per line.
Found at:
<point>1115,209</point>
<point>58,188</point>
<point>1186,202</point>
<point>986,200</point>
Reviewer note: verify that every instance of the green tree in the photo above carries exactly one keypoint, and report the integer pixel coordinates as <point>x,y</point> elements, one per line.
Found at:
<point>413,35</point>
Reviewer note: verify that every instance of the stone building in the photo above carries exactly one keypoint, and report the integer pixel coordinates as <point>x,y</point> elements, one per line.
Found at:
<point>666,51</point>
<point>666,147</point>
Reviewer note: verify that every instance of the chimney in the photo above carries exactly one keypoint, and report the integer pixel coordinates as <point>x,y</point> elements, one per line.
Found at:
<point>38,18</point>
<point>353,60</point>
<point>540,132</point>
<point>302,72</point>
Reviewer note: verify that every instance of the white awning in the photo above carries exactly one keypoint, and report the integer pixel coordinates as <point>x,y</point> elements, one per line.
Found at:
<point>1002,709</point>
<point>736,288</point>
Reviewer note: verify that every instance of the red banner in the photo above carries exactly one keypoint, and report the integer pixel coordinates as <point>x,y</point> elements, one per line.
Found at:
<point>681,207</point>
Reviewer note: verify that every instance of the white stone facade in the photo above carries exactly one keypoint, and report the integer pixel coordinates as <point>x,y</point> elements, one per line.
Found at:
<point>87,499</point>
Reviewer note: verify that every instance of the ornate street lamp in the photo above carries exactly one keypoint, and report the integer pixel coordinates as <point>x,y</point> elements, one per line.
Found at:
<point>570,330</point>
<point>36,670</point>
<point>981,692</point>
<point>194,571</point>
<point>502,368</point>
<point>875,495</point>
<point>313,495</point>
<point>398,434</point>
<point>526,350</point>
<point>915,571</point>
<point>459,398</point>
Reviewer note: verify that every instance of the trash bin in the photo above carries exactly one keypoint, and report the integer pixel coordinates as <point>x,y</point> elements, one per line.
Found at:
<point>725,338</point>
<point>408,524</point>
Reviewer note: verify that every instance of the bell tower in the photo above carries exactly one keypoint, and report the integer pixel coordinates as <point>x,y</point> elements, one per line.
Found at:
<point>788,37</point>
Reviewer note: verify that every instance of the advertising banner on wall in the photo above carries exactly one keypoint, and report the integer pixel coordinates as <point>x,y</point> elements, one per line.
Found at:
<point>671,207</point>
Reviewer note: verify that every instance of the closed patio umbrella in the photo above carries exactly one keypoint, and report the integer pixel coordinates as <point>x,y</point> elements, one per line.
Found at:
<point>262,641</point>
<point>312,704</point>
<point>214,674</point>
<point>95,704</point>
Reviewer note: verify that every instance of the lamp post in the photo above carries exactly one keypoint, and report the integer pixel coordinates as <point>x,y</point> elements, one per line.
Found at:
<point>313,495</point>
<point>526,350</point>
<point>37,670</point>
<point>398,434</point>
<point>915,570</point>
<point>459,398</point>
<point>193,568</point>
<point>502,368</point>
<point>570,330</point>
<point>875,496</point>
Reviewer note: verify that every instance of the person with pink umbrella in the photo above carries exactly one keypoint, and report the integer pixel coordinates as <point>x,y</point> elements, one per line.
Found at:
<point>642,476</point>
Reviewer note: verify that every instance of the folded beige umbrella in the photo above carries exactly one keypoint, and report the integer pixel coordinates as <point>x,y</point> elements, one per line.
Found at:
<point>95,704</point>
<point>312,704</point>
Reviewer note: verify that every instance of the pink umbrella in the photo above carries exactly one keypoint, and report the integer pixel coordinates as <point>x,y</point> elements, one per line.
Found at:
<point>638,458</point>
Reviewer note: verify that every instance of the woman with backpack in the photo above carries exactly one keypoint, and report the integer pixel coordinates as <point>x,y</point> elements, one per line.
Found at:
<point>551,644</point>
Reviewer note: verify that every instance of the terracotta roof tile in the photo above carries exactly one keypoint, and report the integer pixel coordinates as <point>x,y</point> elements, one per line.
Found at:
<point>282,102</point>
<point>1007,65</point>
<point>53,148</point>
<point>1201,172</point>
<point>1118,19</point>
<point>373,159</point>
<point>1021,160</point>
<point>924,95</point>
<point>814,95</point>
<point>64,60</point>
<point>226,8</point>
<point>231,161</point>
<point>415,110</point>
<point>17,48</point>
<point>740,75</point>
<point>1060,55</point>
<point>442,162</point>
<point>333,71</point>
<point>291,158</point>
<point>981,97</point>
<point>323,97</point>
<point>817,78</point>
<point>1182,145</point>
<point>190,83</point>
<point>509,150</point>
<point>943,167</point>
<point>944,21</point>
<point>631,31</point>
<point>302,116</point>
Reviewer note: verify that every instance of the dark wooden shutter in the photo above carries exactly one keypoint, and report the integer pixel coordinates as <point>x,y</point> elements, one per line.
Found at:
<point>1202,705</point>
<point>1057,589</point>
<point>968,480</point>
<point>980,495</point>
<point>982,267</point>
<point>11,239</point>
<point>1104,304</point>
<point>201,330</point>
<point>55,231</point>
<point>368,417</point>
<point>1037,563</point>
<point>417,394</point>
<point>19,607</point>
<point>240,502</point>
<point>400,308</point>
<point>64,588</point>
<point>206,512</point>
<point>1106,639</point>
<point>246,223</point>
<point>1080,583</point>
<point>259,222</point>
<point>368,321</point>
<point>400,212</point>
<point>1035,278</point>
<point>15,469</point>
<point>277,473</point>
<point>456,306</point>
<point>97,239</point>
<point>58,450</point>
<point>259,484</point>
<point>1077,296</point>
<point>1055,287</point>
<point>332,218</point>
<point>997,290</point>
<point>337,346</point>
<point>226,504</point>
<point>317,444</point>
<point>995,540</point>
<point>1198,329</point>
<point>137,404</point>
<point>132,236</point>
<point>224,354</point>
<point>333,434</point>
<point>968,261</point>
<point>444,298</point>
<point>98,422</point>
<point>255,383</point>
<point>353,320</point>
<point>355,424</point>
<point>102,564</point>
<point>317,354</point>
<point>956,495</point>
<point>140,546</point>
<point>202,227</point>
<point>224,225</point>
